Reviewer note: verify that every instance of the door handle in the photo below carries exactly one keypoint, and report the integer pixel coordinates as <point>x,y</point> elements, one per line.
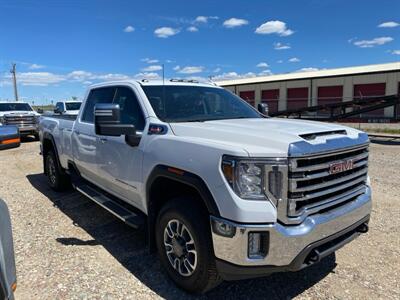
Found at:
<point>103,140</point>
<point>77,132</point>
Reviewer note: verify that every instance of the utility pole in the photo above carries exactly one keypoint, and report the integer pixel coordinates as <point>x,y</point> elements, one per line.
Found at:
<point>14,73</point>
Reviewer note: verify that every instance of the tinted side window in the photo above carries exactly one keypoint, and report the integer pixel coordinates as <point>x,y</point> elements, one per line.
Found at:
<point>131,112</point>
<point>60,106</point>
<point>101,95</point>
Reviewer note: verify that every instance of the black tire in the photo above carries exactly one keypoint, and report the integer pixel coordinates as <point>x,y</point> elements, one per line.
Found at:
<point>204,276</point>
<point>57,179</point>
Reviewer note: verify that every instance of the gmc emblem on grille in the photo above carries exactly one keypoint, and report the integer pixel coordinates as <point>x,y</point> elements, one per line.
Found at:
<point>341,166</point>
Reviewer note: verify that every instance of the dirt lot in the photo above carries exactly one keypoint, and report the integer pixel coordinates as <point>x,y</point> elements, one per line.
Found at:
<point>69,248</point>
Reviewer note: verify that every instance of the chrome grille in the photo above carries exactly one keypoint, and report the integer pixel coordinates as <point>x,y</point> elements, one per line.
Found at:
<point>313,186</point>
<point>20,121</point>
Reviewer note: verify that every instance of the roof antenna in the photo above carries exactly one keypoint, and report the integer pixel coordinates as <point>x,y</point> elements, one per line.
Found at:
<point>163,75</point>
<point>163,89</point>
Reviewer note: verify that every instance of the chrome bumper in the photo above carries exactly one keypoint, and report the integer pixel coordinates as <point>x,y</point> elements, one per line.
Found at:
<point>286,242</point>
<point>23,128</point>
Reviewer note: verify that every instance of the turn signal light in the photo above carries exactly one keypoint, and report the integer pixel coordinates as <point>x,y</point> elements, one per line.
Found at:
<point>10,141</point>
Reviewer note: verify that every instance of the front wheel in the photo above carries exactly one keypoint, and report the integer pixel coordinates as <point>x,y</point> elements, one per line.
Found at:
<point>184,245</point>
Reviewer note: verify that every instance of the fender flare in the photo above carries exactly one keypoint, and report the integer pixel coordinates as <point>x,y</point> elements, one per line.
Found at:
<point>181,176</point>
<point>49,137</point>
<point>188,178</point>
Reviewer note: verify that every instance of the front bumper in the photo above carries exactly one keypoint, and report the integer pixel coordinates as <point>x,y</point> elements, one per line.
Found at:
<point>288,246</point>
<point>24,130</point>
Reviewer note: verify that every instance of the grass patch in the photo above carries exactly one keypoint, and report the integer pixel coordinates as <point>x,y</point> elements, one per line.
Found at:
<point>382,130</point>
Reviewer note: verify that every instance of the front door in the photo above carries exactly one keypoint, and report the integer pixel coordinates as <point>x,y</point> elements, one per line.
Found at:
<point>84,140</point>
<point>120,165</point>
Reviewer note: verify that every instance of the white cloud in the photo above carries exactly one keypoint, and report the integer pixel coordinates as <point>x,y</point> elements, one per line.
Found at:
<point>262,65</point>
<point>277,27</point>
<point>176,68</point>
<point>198,78</point>
<point>112,77</point>
<point>294,59</point>
<point>265,73</point>
<point>192,29</point>
<point>234,22</point>
<point>150,60</point>
<point>395,52</point>
<point>191,70</point>
<point>390,24</point>
<point>36,67</point>
<point>129,29</point>
<point>308,69</point>
<point>201,19</point>
<point>216,70</point>
<point>35,78</point>
<point>165,32</point>
<point>204,19</point>
<point>279,61</point>
<point>80,75</point>
<point>374,42</point>
<point>281,46</point>
<point>152,68</point>
<point>147,75</point>
<point>233,75</point>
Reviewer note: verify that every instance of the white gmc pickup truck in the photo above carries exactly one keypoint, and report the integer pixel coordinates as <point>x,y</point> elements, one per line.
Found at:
<point>223,191</point>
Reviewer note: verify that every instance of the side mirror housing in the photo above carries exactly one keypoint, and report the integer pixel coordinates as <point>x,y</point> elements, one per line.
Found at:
<point>57,111</point>
<point>263,108</point>
<point>107,121</point>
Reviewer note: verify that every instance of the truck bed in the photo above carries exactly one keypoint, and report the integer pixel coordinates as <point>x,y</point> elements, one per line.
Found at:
<point>59,116</point>
<point>60,128</point>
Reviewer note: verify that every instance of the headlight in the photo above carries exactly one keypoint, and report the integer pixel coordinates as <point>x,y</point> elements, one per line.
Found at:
<point>259,179</point>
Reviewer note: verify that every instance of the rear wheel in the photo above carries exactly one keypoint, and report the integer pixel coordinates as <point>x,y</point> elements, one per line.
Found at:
<point>58,180</point>
<point>185,247</point>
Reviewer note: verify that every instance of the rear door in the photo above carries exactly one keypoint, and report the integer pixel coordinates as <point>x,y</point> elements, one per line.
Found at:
<point>84,140</point>
<point>119,165</point>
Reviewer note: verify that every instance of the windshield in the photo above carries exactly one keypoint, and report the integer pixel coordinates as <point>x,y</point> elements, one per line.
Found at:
<point>72,105</point>
<point>15,106</point>
<point>195,103</point>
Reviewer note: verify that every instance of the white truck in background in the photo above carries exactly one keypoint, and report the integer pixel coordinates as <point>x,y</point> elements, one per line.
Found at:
<point>22,115</point>
<point>224,192</point>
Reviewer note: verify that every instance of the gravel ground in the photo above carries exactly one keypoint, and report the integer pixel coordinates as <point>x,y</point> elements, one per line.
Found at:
<point>69,248</point>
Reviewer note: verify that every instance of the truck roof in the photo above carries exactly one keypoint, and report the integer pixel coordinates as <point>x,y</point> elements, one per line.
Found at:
<point>167,82</point>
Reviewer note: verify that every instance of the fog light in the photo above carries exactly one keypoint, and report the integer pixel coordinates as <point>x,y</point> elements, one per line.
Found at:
<point>258,244</point>
<point>223,228</point>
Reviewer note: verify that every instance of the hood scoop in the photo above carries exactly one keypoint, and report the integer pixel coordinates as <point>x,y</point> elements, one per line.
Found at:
<point>313,136</point>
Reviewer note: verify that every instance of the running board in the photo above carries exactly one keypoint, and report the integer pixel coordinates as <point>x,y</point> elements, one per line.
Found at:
<point>129,217</point>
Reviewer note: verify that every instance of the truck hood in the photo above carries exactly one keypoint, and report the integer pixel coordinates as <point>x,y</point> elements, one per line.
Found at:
<point>270,136</point>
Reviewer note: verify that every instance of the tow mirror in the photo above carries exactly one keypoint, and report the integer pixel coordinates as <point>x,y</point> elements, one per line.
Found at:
<point>57,110</point>
<point>107,121</point>
<point>263,108</point>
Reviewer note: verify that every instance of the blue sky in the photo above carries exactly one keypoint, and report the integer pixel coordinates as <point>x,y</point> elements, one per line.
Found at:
<point>61,46</point>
